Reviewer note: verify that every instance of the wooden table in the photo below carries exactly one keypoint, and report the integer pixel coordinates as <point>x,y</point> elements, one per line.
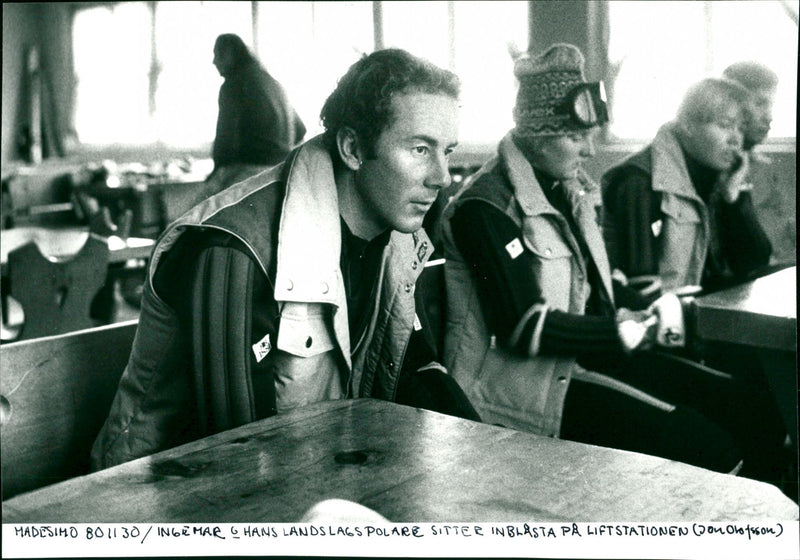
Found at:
<point>404,463</point>
<point>63,242</point>
<point>761,314</point>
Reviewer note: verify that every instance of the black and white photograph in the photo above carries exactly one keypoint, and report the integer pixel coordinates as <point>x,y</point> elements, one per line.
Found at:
<point>427,279</point>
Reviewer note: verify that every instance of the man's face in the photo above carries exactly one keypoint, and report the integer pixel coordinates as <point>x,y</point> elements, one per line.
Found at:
<point>759,117</point>
<point>223,60</point>
<point>716,143</point>
<point>397,187</point>
<point>563,156</point>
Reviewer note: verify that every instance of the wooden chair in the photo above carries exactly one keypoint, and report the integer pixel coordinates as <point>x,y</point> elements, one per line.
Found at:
<point>56,295</point>
<point>55,393</point>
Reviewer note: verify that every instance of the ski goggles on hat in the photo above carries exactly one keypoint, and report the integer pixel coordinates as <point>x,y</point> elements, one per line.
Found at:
<point>585,104</point>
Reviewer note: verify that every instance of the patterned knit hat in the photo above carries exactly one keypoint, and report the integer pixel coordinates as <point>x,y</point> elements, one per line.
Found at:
<point>545,84</point>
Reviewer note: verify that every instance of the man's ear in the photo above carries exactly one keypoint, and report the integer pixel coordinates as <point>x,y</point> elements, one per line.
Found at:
<point>349,148</point>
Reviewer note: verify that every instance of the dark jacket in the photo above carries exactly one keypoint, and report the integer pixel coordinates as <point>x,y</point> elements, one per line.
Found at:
<point>256,123</point>
<point>656,222</point>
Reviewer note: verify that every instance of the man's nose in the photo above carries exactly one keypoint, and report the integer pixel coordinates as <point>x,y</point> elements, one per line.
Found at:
<point>439,173</point>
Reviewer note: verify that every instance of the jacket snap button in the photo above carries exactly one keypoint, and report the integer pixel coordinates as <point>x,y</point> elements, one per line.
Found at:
<point>409,287</point>
<point>548,252</point>
<point>308,342</point>
<point>562,379</point>
<point>324,287</point>
<point>414,265</point>
<point>390,365</point>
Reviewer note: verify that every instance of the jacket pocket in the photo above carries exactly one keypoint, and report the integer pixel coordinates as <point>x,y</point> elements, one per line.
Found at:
<point>553,263</point>
<point>303,330</point>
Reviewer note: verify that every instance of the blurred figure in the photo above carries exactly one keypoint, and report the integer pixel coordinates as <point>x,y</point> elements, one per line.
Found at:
<point>772,192</point>
<point>762,84</point>
<point>681,209</point>
<point>257,125</point>
<point>530,310</point>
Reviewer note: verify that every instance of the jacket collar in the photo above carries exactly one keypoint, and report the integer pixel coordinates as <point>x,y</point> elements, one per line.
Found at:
<point>308,264</point>
<point>527,190</point>
<point>670,173</point>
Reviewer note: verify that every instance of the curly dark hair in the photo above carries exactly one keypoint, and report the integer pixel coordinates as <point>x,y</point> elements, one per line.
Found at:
<point>362,98</point>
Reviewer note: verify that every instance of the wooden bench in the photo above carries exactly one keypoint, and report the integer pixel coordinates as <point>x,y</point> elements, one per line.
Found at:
<point>55,393</point>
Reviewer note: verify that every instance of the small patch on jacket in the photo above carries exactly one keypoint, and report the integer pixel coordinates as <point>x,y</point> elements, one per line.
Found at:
<point>514,248</point>
<point>417,323</point>
<point>262,348</point>
<point>656,227</point>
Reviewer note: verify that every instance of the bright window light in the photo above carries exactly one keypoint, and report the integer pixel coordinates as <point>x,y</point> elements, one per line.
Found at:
<point>112,62</point>
<point>188,83</point>
<point>308,46</point>
<point>483,33</point>
<point>660,48</point>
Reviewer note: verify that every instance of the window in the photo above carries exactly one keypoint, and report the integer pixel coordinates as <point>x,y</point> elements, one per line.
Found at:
<point>112,63</point>
<point>145,74</point>
<point>658,49</point>
<point>472,39</point>
<point>187,83</point>
<point>308,46</point>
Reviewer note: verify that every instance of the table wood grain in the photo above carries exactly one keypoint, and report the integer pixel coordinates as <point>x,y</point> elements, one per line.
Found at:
<point>407,464</point>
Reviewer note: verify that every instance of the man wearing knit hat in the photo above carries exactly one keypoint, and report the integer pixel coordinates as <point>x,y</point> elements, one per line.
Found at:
<point>530,304</point>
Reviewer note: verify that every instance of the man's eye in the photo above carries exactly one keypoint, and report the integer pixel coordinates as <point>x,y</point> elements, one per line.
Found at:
<point>421,150</point>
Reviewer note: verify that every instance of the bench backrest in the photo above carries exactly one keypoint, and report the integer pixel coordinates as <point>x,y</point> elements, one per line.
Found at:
<point>55,393</point>
<point>56,296</point>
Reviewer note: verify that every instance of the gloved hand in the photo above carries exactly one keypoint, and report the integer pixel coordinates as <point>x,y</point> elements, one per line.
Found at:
<point>635,328</point>
<point>671,330</point>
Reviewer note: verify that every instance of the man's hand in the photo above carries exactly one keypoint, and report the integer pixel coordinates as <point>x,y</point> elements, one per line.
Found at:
<point>734,181</point>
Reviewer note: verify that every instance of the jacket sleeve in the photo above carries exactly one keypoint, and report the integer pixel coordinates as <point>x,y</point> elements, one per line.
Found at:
<point>152,407</point>
<point>193,370</point>
<point>512,301</point>
<point>744,243</point>
<point>631,221</point>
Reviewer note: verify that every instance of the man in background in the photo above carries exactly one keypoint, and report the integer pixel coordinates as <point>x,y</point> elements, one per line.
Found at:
<point>773,197</point>
<point>256,125</point>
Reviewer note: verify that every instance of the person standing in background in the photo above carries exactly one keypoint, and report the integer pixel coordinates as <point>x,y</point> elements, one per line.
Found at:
<point>256,126</point>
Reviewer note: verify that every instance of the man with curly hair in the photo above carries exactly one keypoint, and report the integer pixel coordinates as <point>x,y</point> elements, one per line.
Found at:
<point>297,285</point>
